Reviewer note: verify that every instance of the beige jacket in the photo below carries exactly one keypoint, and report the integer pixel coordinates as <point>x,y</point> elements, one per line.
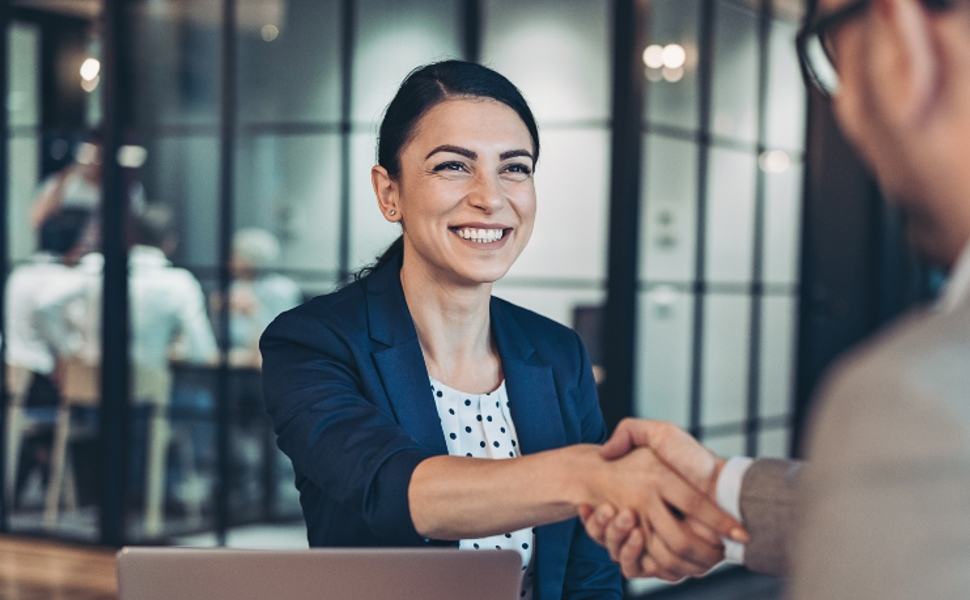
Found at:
<point>882,508</point>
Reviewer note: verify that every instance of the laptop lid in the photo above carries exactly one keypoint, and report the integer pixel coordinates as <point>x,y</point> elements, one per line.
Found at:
<point>317,574</point>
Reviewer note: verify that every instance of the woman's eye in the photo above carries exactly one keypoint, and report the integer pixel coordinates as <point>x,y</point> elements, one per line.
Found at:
<point>450,166</point>
<point>519,169</point>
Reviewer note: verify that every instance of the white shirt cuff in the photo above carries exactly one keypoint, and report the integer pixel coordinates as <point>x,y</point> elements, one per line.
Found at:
<point>728,492</point>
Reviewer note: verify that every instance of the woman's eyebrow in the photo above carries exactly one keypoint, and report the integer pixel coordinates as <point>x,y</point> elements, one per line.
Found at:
<point>471,154</point>
<point>456,149</point>
<point>513,153</point>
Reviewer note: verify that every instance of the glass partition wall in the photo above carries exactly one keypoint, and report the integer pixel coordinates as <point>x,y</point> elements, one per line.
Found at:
<point>724,123</point>
<point>248,129</point>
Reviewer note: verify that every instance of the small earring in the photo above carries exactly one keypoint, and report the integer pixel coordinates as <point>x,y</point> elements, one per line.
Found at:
<point>392,212</point>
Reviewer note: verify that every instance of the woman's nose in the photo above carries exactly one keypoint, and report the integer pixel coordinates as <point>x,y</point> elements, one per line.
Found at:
<point>486,194</point>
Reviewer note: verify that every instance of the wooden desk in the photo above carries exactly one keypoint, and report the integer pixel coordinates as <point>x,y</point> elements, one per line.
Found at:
<point>36,570</point>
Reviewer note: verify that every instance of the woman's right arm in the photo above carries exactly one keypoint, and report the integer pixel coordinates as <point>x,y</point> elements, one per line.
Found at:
<point>365,461</point>
<point>454,497</point>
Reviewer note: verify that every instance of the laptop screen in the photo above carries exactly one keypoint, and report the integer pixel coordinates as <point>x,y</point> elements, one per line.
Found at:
<point>317,574</point>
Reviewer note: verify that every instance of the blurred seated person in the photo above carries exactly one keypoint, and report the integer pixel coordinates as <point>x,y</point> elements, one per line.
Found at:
<point>167,306</point>
<point>167,312</point>
<point>78,187</point>
<point>31,340</point>
<point>256,295</point>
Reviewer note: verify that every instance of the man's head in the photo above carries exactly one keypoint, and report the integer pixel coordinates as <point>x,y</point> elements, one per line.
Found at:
<point>903,100</point>
<point>154,226</point>
<point>253,249</point>
<point>61,232</point>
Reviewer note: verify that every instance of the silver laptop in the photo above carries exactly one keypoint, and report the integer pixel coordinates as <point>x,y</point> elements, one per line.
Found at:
<point>319,574</point>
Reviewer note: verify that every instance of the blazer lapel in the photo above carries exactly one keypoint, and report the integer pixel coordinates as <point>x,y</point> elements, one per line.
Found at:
<point>400,362</point>
<point>534,406</point>
<point>533,401</point>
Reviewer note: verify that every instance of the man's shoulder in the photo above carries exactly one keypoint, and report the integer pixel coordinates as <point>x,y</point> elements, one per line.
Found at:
<point>37,270</point>
<point>888,473</point>
<point>924,349</point>
<point>900,397</point>
<point>164,278</point>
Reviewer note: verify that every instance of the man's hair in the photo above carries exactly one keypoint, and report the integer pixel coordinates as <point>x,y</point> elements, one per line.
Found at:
<point>154,225</point>
<point>62,231</point>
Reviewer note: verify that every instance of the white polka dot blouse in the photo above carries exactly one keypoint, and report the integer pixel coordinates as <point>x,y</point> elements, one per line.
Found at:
<point>480,426</point>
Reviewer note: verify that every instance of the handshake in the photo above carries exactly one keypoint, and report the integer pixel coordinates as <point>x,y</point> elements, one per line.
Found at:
<point>653,502</point>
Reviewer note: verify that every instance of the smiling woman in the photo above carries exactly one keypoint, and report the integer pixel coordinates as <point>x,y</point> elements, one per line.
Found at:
<point>467,208</point>
<point>396,396</point>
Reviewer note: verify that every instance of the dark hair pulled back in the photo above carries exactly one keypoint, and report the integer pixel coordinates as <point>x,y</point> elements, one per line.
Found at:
<point>423,89</point>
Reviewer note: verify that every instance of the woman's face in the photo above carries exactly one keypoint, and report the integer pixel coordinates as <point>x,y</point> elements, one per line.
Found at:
<point>465,193</point>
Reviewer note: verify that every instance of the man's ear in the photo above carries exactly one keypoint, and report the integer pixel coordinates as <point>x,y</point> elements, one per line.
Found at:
<point>906,65</point>
<point>386,189</point>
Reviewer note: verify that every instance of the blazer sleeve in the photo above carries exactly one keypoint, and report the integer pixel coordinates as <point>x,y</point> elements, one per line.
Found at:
<point>768,512</point>
<point>337,438</point>
<point>590,574</point>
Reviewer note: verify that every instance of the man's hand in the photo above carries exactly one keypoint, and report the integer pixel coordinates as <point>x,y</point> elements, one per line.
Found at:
<point>659,499</point>
<point>674,446</point>
<point>674,540</point>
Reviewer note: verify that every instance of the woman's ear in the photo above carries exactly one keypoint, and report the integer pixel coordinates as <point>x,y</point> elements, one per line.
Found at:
<point>386,190</point>
<point>906,69</point>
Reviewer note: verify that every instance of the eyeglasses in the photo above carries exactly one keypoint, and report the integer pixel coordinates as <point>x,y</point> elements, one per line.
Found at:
<point>816,52</point>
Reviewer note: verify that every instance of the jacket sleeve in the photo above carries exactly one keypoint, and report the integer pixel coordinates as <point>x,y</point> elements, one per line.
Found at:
<point>336,437</point>
<point>590,574</point>
<point>768,511</point>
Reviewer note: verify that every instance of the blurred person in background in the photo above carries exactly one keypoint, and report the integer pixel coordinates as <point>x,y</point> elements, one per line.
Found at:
<point>77,187</point>
<point>167,307</point>
<point>31,340</point>
<point>881,509</point>
<point>167,313</point>
<point>256,295</point>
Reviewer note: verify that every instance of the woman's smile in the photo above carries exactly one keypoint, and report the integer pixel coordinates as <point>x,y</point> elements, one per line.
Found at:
<point>481,236</point>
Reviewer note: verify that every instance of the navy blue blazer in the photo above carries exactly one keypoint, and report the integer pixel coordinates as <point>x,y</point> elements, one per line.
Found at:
<point>347,389</point>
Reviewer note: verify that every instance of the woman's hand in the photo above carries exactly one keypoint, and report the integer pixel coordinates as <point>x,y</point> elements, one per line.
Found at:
<point>654,500</point>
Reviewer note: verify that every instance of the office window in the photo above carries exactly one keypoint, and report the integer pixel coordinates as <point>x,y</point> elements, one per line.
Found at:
<point>720,222</point>
<point>566,82</point>
<point>273,144</point>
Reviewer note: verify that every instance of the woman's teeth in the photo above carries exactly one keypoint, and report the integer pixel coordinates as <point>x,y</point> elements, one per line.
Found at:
<point>481,236</point>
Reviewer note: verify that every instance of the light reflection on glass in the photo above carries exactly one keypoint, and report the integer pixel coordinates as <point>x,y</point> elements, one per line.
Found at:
<point>673,75</point>
<point>269,32</point>
<point>653,56</point>
<point>132,157</point>
<point>90,69</point>
<point>674,56</point>
<point>664,63</point>
<point>774,161</point>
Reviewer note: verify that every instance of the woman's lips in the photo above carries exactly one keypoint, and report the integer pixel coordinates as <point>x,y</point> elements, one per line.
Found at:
<point>483,236</point>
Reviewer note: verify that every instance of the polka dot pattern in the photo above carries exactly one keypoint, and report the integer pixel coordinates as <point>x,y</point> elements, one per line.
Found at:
<point>473,427</point>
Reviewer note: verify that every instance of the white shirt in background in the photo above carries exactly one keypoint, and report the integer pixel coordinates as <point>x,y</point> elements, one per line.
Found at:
<point>167,311</point>
<point>269,295</point>
<point>31,341</point>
